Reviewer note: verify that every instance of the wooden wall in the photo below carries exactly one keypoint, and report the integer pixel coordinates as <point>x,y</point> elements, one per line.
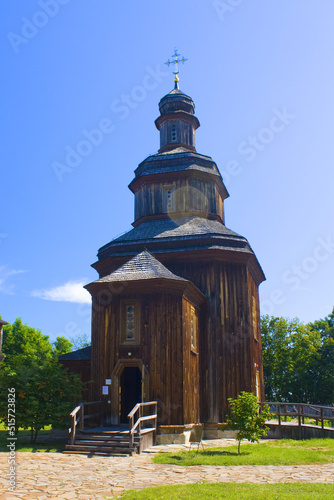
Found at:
<point>191,366</point>
<point>254,305</point>
<point>227,348</point>
<point>164,350</point>
<point>189,195</point>
<point>190,387</point>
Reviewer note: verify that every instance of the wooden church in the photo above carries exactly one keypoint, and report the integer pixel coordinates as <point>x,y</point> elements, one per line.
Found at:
<point>175,311</point>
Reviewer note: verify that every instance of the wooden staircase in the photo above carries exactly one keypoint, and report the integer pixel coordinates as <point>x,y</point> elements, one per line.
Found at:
<point>103,443</point>
<point>117,440</point>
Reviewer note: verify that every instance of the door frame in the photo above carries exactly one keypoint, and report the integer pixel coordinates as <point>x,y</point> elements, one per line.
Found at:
<point>116,384</point>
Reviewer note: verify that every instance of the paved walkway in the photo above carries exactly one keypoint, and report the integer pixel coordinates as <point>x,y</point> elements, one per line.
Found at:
<point>63,476</point>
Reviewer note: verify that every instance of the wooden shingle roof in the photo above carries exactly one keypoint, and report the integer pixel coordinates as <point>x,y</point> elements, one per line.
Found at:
<point>78,355</point>
<point>191,229</point>
<point>141,267</point>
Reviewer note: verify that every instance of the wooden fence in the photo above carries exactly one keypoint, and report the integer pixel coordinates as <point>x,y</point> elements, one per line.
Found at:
<point>301,411</point>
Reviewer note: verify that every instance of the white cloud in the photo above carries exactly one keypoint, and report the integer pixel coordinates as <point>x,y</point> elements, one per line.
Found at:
<point>72,291</point>
<point>5,274</point>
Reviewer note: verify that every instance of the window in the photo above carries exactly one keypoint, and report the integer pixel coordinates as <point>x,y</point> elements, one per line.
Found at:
<point>173,134</point>
<point>130,323</point>
<point>254,317</point>
<point>193,328</point>
<point>257,385</point>
<point>168,198</point>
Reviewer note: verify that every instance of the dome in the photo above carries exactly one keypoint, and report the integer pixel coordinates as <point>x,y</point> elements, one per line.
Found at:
<point>175,101</point>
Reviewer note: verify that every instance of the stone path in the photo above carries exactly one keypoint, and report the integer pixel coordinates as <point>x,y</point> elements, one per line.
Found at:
<point>63,476</point>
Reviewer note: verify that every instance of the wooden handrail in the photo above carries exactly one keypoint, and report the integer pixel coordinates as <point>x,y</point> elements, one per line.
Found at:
<point>137,425</point>
<point>76,409</point>
<point>295,404</point>
<point>142,419</point>
<point>135,408</point>
<point>148,403</point>
<point>78,417</point>
<point>133,411</point>
<point>298,411</point>
<point>74,422</point>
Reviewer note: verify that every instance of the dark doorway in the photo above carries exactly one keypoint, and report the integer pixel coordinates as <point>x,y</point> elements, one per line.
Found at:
<point>130,391</point>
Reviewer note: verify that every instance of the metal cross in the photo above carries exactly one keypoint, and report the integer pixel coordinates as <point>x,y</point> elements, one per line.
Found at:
<point>176,68</point>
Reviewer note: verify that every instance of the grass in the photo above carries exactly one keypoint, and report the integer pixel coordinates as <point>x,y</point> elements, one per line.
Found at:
<point>44,442</point>
<point>243,491</point>
<point>283,452</point>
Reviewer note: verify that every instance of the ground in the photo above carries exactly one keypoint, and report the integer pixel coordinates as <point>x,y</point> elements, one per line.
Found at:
<point>45,476</point>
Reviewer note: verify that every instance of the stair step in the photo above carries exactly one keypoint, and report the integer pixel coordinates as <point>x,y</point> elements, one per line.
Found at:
<point>98,453</point>
<point>100,449</point>
<point>104,439</point>
<point>106,433</point>
<point>83,442</point>
<point>101,438</point>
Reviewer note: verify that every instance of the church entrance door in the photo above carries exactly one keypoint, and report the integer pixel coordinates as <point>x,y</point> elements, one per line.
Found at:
<point>131,392</point>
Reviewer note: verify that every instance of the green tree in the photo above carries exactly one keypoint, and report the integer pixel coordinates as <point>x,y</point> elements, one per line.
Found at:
<point>247,418</point>
<point>80,342</point>
<point>45,393</point>
<point>324,370</point>
<point>298,360</point>
<point>21,340</point>
<point>61,346</point>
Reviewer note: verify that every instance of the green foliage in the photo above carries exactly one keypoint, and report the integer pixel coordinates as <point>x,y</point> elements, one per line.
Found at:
<point>244,491</point>
<point>247,418</point>
<point>45,393</point>
<point>282,452</point>
<point>22,341</point>
<point>80,342</point>
<point>298,360</point>
<point>61,346</point>
<point>324,370</point>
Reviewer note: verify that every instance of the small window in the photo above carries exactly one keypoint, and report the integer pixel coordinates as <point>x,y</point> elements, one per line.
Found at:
<point>193,328</point>
<point>130,323</point>
<point>173,135</point>
<point>254,317</point>
<point>168,198</point>
<point>257,385</point>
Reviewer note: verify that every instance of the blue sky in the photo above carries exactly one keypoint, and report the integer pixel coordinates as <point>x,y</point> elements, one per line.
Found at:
<point>261,75</point>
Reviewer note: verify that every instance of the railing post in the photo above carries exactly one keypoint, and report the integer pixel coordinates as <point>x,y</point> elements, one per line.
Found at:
<point>140,422</point>
<point>130,431</point>
<point>299,415</point>
<point>322,416</point>
<point>155,422</point>
<point>279,413</point>
<point>82,416</point>
<point>72,439</point>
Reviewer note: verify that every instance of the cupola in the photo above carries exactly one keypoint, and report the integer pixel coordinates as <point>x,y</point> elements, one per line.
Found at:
<point>176,123</point>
